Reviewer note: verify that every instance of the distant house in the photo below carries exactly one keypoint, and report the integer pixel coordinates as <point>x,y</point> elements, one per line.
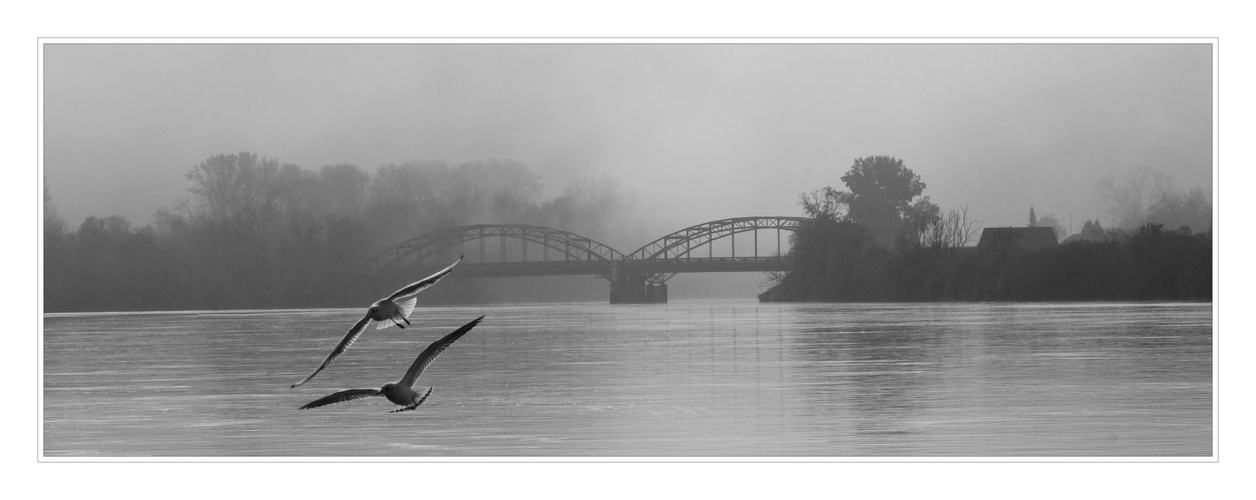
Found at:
<point>1002,239</point>
<point>1091,232</point>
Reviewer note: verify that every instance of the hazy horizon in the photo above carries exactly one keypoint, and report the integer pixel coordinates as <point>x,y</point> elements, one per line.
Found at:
<point>694,132</point>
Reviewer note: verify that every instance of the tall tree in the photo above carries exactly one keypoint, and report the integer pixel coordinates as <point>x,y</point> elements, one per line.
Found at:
<point>240,189</point>
<point>341,190</point>
<point>880,197</point>
<point>57,278</point>
<point>1033,219</point>
<point>399,202</point>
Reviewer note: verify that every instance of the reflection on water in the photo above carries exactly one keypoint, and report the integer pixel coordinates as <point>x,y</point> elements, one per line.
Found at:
<point>682,379</point>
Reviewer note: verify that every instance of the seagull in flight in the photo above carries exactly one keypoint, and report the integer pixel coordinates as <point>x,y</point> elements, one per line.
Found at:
<point>382,314</point>
<point>402,391</point>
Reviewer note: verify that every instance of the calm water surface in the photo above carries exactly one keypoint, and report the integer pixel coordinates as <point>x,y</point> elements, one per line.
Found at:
<point>683,379</point>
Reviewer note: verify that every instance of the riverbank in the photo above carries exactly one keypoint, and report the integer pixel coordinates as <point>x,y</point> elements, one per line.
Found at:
<point>1152,264</point>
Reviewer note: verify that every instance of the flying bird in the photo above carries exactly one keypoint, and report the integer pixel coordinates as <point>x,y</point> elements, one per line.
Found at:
<point>402,391</point>
<point>382,314</point>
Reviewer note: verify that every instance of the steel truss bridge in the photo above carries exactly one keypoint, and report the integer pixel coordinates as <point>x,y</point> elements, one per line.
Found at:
<point>502,250</point>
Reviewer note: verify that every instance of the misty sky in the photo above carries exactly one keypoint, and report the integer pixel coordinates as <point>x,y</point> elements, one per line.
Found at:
<point>698,132</point>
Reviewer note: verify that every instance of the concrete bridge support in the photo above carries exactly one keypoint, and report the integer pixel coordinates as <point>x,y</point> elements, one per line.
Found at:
<point>628,292</point>
<point>629,287</point>
<point>637,292</point>
<point>656,294</point>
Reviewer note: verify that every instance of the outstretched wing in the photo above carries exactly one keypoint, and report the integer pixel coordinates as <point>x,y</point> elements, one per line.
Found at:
<point>429,355</point>
<point>422,284</point>
<point>416,404</point>
<point>340,397</point>
<point>344,344</point>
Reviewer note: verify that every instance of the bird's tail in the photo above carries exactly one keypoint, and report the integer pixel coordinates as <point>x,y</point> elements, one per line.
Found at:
<point>407,306</point>
<point>415,404</point>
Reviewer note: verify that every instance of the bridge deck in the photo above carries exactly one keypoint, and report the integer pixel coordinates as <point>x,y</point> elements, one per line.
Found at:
<point>605,268</point>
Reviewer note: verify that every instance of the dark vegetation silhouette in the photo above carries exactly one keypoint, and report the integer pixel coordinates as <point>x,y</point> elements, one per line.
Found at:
<point>892,249</point>
<point>259,233</point>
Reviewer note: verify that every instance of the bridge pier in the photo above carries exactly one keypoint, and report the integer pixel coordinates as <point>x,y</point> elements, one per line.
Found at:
<point>628,292</point>
<point>637,292</point>
<point>629,287</point>
<point>656,294</point>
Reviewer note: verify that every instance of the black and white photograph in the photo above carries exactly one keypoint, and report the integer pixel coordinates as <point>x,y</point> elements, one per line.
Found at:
<point>647,250</point>
<point>618,250</point>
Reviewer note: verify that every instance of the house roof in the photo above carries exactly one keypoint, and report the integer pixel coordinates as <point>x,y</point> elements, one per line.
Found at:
<point>1023,238</point>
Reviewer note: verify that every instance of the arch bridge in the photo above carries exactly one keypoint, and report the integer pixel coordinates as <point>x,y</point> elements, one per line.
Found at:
<point>501,250</point>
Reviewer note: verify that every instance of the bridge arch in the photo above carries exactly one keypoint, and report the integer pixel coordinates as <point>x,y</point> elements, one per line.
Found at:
<point>680,244</point>
<point>579,254</point>
<point>636,277</point>
<point>657,261</point>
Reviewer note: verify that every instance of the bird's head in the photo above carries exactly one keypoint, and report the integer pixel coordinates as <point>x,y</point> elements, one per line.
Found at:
<point>387,388</point>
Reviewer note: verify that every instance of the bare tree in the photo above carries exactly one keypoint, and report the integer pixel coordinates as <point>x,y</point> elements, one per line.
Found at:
<point>242,188</point>
<point>824,203</point>
<point>1129,201</point>
<point>1176,210</point>
<point>53,222</point>
<point>954,229</point>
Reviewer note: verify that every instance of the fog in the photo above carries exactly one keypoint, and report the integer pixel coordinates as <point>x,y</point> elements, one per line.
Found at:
<point>693,132</point>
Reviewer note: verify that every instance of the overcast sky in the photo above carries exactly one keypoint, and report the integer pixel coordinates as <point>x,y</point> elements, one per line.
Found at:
<point>697,131</point>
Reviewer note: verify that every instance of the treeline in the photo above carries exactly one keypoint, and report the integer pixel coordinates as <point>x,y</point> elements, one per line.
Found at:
<point>260,233</point>
<point>882,240</point>
<point>839,261</point>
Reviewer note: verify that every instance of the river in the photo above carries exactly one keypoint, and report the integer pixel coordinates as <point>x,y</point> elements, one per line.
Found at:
<point>685,379</point>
